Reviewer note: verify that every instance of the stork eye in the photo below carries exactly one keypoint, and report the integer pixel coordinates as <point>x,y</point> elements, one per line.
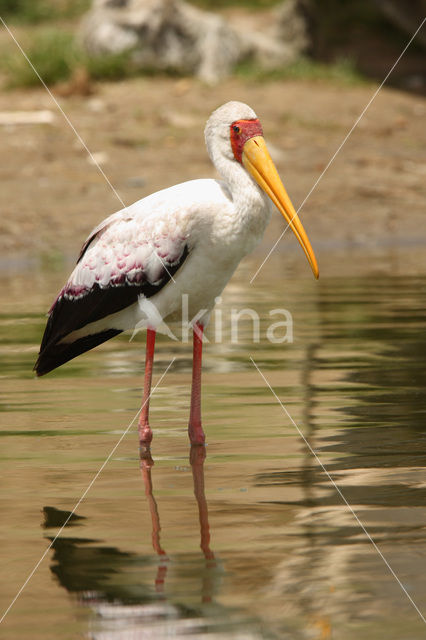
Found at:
<point>236,128</point>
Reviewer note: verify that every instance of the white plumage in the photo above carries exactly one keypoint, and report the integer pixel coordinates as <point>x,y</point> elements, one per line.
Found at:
<point>154,231</point>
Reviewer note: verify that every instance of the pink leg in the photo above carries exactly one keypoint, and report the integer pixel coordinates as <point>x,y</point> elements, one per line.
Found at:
<point>146,465</point>
<point>195,430</point>
<point>145,433</point>
<point>196,457</point>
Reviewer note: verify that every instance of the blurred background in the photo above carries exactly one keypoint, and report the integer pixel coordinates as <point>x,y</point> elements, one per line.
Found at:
<point>138,80</point>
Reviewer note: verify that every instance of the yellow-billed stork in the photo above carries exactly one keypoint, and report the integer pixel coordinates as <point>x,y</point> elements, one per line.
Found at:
<point>136,266</point>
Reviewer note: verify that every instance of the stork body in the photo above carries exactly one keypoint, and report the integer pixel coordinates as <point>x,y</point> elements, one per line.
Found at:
<point>187,240</point>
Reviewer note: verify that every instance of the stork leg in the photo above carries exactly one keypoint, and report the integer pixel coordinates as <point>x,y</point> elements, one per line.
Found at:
<point>195,430</point>
<point>145,433</point>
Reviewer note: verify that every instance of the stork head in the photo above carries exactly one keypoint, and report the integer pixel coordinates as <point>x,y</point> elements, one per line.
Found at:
<point>234,131</point>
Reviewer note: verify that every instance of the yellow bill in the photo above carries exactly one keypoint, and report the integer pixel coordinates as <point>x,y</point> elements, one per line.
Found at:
<point>258,162</point>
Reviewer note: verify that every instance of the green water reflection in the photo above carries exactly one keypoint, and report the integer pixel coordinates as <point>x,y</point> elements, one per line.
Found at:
<point>254,541</point>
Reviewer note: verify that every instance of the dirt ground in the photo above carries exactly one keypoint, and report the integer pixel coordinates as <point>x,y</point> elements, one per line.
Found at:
<point>148,134</point>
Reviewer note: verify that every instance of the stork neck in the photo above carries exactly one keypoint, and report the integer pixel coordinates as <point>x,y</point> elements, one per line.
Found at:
<point>247,196</point>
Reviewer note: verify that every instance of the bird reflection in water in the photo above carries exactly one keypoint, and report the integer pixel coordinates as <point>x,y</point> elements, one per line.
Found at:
<point>197,457</point>
<point>117,585</point>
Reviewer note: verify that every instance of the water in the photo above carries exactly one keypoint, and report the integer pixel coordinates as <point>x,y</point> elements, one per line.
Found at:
<point>254,541</point>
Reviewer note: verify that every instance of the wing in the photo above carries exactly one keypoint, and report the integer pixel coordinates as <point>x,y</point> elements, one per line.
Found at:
<point>123,258</point>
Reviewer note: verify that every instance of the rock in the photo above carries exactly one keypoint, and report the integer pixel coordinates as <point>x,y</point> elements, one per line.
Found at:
<point>292,24</point>
<point>163,35</point>
<point>174,35</point>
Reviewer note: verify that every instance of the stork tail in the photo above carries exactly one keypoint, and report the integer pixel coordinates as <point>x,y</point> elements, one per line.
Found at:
<point>57,353</point>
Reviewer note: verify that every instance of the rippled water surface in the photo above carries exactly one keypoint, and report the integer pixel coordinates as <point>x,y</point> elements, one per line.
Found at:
<point>253,541</point>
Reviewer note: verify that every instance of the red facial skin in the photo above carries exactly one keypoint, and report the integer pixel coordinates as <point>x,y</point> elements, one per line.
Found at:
<point>241,131</point>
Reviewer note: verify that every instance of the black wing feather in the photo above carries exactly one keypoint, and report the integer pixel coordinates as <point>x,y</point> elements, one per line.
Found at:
<point>72,313</point>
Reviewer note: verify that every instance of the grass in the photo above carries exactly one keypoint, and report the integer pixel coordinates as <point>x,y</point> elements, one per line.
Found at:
<point>341,71</point>
<point>56,56</point>
<point>52,53</point>
<point>109,67</point>
<point>35,11</point>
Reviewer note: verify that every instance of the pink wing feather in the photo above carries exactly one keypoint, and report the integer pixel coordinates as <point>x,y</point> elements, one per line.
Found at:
<point>123,258</point>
